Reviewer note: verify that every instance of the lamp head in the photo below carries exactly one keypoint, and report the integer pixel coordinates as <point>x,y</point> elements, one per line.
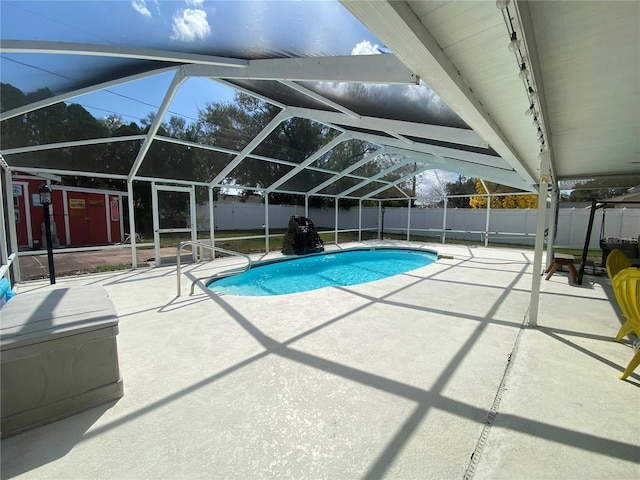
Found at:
<point>45,194</point>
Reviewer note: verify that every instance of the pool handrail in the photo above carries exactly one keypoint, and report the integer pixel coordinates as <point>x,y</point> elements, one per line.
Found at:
<point>214,249</point>
<point>4,268</point>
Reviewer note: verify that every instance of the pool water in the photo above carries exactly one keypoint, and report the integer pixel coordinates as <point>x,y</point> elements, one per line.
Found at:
<point>301,274</point>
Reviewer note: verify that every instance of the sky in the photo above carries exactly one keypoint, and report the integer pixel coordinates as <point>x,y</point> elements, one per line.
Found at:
<point>312,28</point>
<point>287,28</point>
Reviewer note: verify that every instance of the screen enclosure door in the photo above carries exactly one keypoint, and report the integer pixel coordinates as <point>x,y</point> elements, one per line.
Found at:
<point>174,221</point>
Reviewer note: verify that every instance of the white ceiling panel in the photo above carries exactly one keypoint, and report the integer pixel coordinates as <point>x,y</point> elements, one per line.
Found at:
<point>585,63</point>
<point>590,62</point>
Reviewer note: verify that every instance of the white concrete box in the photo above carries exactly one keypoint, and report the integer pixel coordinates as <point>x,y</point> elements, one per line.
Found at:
<point>59,356</point>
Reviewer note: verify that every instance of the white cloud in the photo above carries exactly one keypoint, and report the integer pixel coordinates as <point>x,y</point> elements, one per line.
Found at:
<point>194,3</point>
<point>141,7</point>
<point>190,24</point>
<point>365,48</point>
<point>395,99</point>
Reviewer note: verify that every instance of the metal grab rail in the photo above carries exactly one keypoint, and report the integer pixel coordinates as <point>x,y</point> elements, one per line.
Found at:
<point>215,249</point>
<point>5,266</point>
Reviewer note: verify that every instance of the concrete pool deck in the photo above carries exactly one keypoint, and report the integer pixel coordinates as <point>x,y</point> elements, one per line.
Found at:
<point>429,374</point>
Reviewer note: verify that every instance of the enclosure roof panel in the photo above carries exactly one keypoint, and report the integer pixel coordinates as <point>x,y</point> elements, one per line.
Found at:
<point>433,80</point>
<point>234,30</point>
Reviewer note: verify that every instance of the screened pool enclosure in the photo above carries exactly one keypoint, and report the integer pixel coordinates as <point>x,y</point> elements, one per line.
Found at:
<point>344,101</point>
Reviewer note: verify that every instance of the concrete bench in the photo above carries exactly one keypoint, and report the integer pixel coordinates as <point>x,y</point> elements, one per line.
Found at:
<point>59,355</point>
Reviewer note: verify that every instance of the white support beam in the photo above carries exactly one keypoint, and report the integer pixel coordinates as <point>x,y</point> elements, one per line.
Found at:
<point>553,220</point>
<point>397,182</point>
<point>172,181</point>
<point>360,220</point>
<point>4,164</point>
<point>488,214</point>
<point>457,161</point>
<point>397,26</point>
<point>384,69</point>
<point>534,302</point>
<point>13,234</point>
<point>187,143</point>
<point>74,173</point>
<point>460,136</point>
<point>401,137</point>
<point>378,175</point>
<point>444,221</point>
<point>335,220</point>
<point>446,152</point>
<point>132,224</point>
<point>115,51</point>
<point>346,171</point>
<point>264,98</point>
<point>312,158</point>
<point>75,143</point>
<point>212,221</point>
<point>270,127</point>
<point>4,247</point>
<point>79,92</point>
<point>409,220</point>
<point>319,98</point>
<point>266,222</point>
<point>178,80</point>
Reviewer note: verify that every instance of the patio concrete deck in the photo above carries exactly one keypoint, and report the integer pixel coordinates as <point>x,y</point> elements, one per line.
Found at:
<point>429,374</point>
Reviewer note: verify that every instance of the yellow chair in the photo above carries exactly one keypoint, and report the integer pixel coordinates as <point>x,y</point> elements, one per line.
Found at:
<point>616,261</point>
<point>626,285</point>
<point>626,327</point>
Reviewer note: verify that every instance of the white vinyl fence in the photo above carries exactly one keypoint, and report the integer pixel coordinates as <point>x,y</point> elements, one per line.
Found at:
<point>504,226</point>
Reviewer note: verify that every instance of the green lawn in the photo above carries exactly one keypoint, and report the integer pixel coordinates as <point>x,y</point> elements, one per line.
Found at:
<point>257,245</point>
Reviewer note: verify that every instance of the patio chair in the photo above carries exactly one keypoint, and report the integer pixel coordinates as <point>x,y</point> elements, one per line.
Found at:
<point>616,261</point>
<point>626,284</point>
<point>626,327</point>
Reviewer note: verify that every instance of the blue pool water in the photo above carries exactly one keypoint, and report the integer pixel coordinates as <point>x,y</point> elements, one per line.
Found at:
<point>300,274</point>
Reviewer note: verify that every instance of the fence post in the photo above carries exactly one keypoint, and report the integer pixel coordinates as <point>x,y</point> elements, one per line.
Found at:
<point>360,220</point>
<point>444,220</point>
<point>266,222</point>
<point>409,220</point>
<point>336,222</point>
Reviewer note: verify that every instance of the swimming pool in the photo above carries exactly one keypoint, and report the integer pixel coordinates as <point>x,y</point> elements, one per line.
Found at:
<point>342,268</point>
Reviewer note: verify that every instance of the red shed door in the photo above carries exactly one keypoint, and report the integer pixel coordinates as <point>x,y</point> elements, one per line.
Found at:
<point>97,211</point>
<point>79,226</point>
<point>87,218</point>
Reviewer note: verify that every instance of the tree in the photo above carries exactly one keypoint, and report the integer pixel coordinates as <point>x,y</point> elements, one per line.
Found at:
<point>463,186</point>
<point>431,197</point>
<point>600,189</point>
<point>234,125</point>
<point>506,201</point>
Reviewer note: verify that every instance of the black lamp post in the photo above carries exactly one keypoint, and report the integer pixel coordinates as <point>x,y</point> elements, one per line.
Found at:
<point>382,224</point>
<point>45,201</point>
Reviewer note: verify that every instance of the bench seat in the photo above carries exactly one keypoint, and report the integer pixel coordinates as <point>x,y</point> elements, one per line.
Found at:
<point>58,355</point>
